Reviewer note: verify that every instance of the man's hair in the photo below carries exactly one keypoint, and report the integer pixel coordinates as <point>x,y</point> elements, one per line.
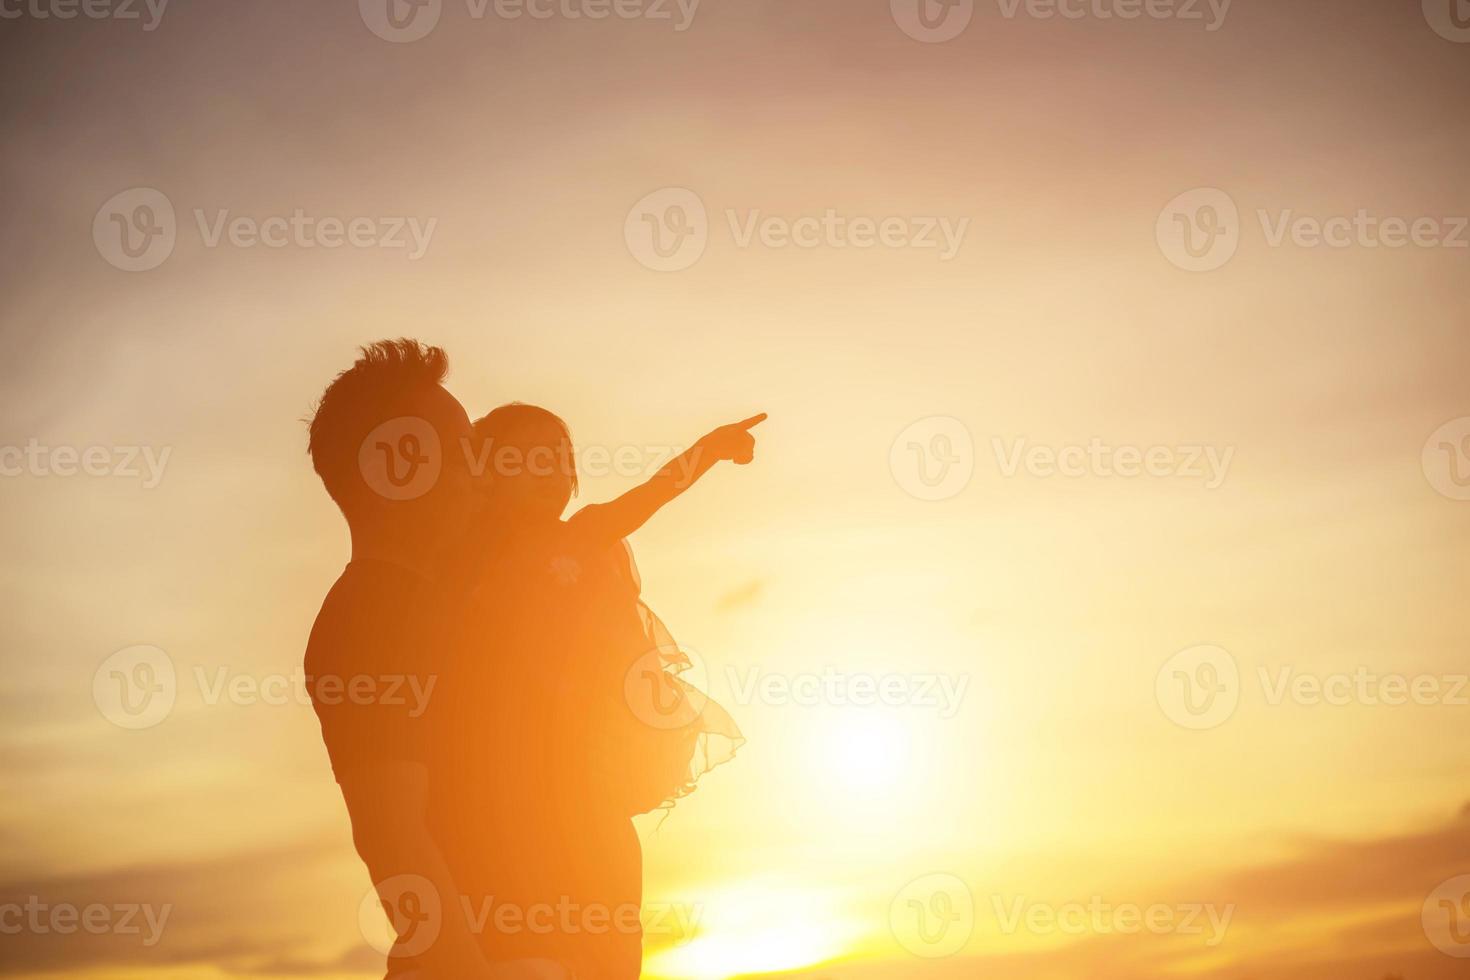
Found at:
<point>362,398</point>
<point>516,417</point>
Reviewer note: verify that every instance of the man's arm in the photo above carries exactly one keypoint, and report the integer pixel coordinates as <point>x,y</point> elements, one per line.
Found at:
<point>619,518</point>
<point>387,805</point>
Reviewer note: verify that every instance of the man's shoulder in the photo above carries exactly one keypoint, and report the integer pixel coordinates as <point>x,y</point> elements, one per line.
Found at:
<point>341,614</point>
<point>373,611</point>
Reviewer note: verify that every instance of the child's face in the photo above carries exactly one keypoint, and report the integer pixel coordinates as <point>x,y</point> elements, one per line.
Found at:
<point>529,473</point>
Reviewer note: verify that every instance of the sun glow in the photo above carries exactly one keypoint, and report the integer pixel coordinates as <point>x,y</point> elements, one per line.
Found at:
<point>866,752</point>
<point>759,928</point>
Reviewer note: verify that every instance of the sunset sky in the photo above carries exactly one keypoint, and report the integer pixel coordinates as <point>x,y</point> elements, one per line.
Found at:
<point>1307,522</point>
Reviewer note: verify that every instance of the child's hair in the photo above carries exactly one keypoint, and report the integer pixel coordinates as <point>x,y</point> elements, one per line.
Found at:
<point>517,417</point>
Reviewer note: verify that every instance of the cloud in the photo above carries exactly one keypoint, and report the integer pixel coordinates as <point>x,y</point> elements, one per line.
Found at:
<point>245,913</point>
<point>1337,909</point>
<point>738,598</point>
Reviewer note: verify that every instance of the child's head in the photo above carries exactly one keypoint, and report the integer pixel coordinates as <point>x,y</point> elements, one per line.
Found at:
<point>530,469</point>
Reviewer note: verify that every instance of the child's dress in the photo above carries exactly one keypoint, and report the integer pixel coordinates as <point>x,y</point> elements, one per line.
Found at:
<point>630,731</point>
<point>663,733</point>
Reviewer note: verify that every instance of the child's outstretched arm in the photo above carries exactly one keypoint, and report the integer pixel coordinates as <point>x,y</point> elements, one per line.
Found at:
<point>619,518</point>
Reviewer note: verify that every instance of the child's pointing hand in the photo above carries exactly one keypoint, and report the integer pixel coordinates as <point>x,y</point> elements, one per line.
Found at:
<point>734,442</point>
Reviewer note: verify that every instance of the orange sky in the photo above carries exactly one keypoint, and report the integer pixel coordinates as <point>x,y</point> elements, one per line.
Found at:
<point>1034,756</point>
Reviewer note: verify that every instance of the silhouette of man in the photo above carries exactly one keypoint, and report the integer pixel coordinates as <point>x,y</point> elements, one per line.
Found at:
<point>386,440</point>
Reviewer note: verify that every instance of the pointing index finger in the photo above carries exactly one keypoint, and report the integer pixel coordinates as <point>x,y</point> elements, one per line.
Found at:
<point>753,421</point>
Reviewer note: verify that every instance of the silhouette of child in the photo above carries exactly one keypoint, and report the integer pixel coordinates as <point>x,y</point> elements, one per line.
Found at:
<point>642,732</point>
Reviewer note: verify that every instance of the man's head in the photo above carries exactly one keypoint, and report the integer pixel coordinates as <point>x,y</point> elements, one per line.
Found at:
<point>387,441</point>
